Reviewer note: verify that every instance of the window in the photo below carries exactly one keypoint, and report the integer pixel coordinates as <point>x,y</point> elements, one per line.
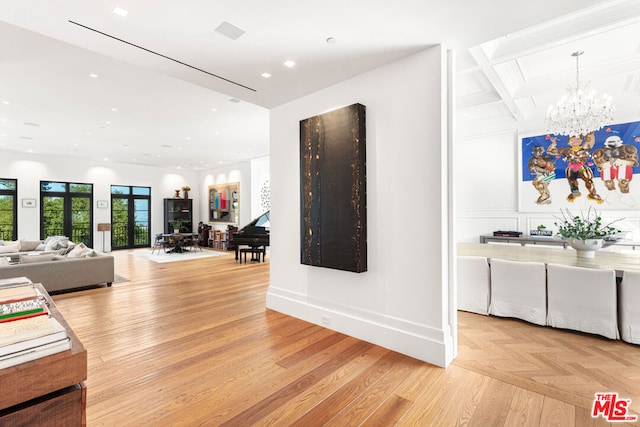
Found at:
<point>8,209</point>
<point>65,209</point>
<point>130,216</point>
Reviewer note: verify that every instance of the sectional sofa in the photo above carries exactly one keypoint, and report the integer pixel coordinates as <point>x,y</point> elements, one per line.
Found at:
<point>58,267</point>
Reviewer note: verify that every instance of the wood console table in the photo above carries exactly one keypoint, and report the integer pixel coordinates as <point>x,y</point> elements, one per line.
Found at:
<point>547,241</point>
<point>614,260</point>
<point>524,240</point>
<point>48,391</point>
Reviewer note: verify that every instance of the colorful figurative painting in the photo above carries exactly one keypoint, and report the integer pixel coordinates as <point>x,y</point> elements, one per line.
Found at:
<point>592,170</point>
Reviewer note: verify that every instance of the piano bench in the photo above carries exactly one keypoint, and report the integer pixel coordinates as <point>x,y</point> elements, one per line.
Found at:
<point>255,254</point>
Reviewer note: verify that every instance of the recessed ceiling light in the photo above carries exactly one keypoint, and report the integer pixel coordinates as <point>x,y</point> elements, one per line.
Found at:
<point>331,40</point>
<point>266,75</point>
<point>234,100</point>
<point>93,76</point>
<point>214,109</point>
<point>114,109</point>
<point>289,64</point>
<point>105,159</point>
<point>120,11</point>
<point>31,124</point>
<point>6,102</point>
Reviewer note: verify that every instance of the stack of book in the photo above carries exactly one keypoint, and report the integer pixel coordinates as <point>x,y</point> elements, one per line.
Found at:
<point>27,330</point>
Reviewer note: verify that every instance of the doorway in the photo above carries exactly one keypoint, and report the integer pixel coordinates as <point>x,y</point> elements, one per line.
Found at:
<point>130,216</point>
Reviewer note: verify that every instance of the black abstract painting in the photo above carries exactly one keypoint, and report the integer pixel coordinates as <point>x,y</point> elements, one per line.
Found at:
<point>333,223</point>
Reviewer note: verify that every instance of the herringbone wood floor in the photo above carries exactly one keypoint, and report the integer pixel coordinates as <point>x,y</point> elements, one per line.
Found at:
<point>191,343</point>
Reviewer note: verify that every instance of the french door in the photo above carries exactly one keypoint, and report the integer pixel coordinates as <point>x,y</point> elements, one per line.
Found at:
<point>65,209</point>
<point>130,216</point>
<point>8,209</point>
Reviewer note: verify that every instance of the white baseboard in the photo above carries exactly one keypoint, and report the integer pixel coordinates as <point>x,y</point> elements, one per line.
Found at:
<point>418,341</point>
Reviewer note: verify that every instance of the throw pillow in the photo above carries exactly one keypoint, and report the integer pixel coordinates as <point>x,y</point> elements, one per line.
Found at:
<point>7,249</point>
<point>55,242</point>
<point>30,259</point>
<point>78,251</point>
<point>29,245</point>
<point>91,253</point>
<point>51,245</point>
<point>65,251</point>
<point>50,238</point>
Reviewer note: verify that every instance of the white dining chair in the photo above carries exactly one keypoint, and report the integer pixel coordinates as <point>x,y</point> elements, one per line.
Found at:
<point>629,306</point>
<point>518,289</point>
<point>473,284</point>
<point>582,299</point>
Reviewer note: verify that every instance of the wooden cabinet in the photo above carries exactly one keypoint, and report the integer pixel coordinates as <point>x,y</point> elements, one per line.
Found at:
<point>178,215</point>
<point>48,391</point>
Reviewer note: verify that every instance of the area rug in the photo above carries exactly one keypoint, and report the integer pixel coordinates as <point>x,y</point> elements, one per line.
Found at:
<point>120,279</point>
<point>184,256</point>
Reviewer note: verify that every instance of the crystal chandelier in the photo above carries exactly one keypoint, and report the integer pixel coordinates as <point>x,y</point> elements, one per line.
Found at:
<point>579,112</point>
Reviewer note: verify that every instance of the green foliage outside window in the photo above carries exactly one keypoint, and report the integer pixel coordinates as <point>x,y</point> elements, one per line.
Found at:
<point>8,220</point>
<point>130,208</point>
<point>66,210</point>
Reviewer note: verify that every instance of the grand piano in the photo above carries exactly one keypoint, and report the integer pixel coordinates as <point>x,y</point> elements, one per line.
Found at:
<point>255,235</point>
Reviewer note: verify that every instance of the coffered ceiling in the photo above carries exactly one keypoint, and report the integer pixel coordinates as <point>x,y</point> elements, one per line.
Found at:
<point>509,82</point>
<point>162,87</point>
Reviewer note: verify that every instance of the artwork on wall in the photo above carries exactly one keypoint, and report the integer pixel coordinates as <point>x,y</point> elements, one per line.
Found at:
<point>578,172</point>
<point>333,217</point>
<point>28,203</point>
<point>224,202</point>
<point>265,196</point>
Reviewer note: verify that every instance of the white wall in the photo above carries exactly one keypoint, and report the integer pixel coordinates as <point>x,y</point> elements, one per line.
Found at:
<point>402,301</point>
<point>29,170</point>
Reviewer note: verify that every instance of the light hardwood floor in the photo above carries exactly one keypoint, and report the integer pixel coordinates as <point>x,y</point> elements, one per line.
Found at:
<point>191,343</point>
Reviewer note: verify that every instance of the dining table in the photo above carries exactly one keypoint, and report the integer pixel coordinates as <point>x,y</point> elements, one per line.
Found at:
<point>179,242</point>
